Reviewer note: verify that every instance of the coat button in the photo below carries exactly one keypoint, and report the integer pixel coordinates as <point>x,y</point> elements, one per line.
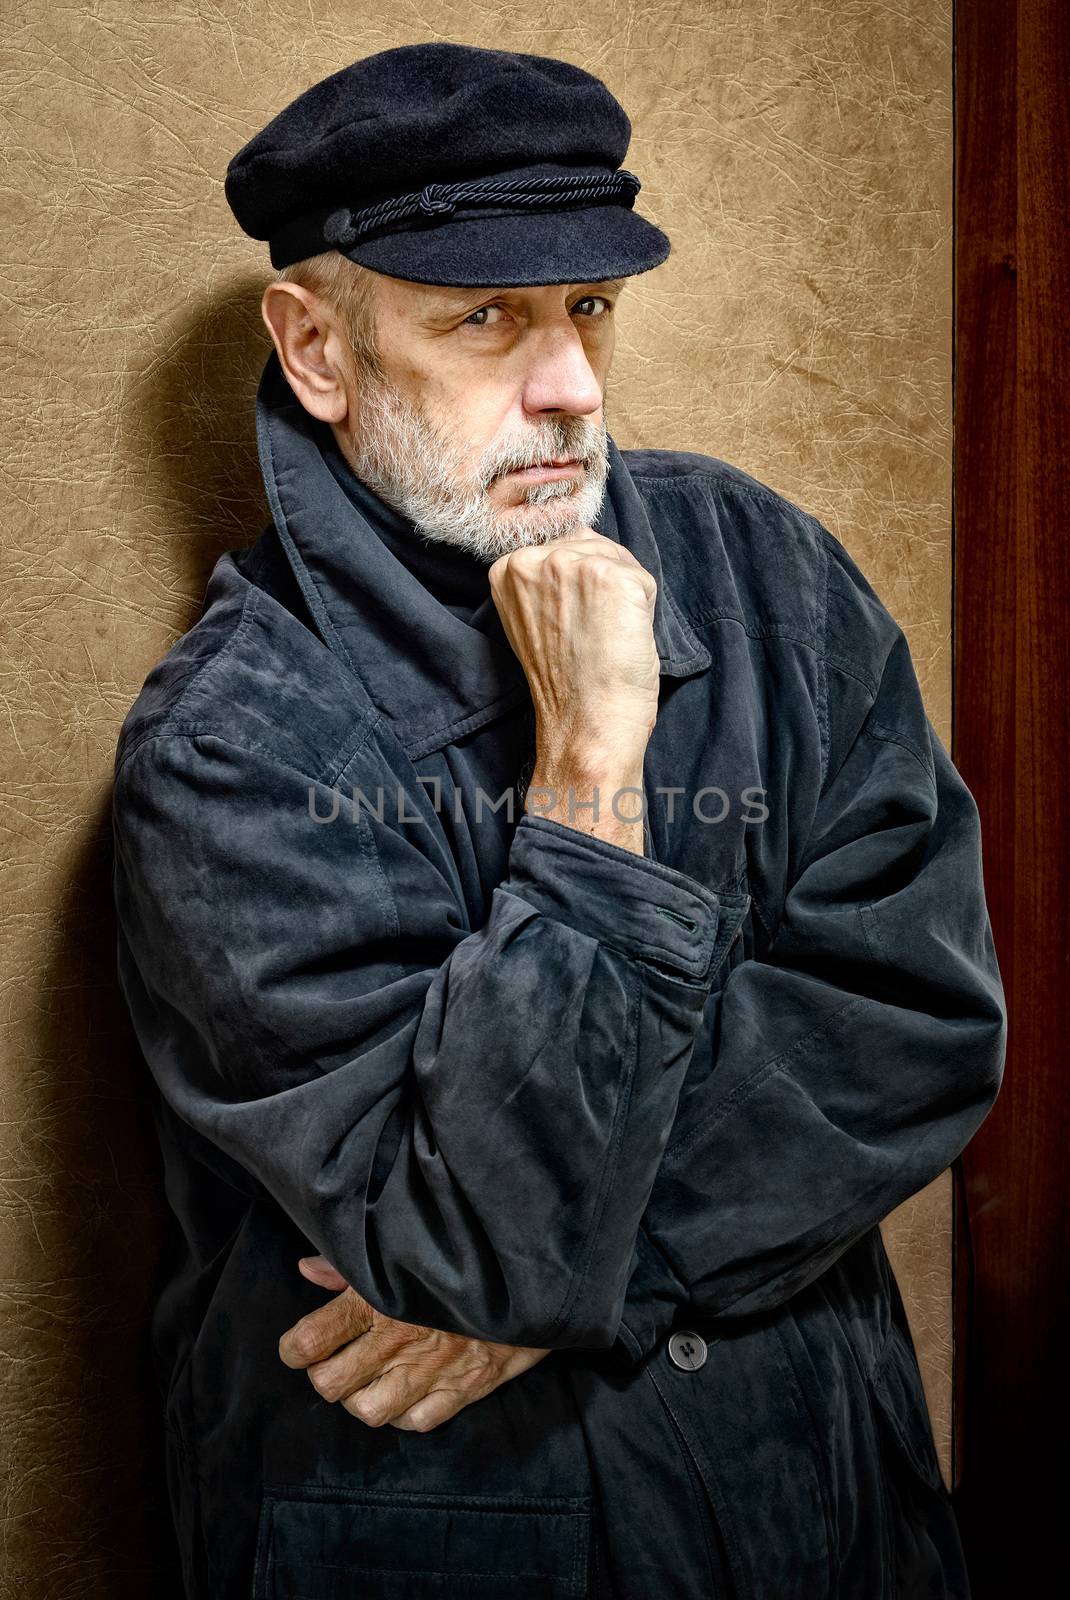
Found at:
<point>687,1350</point>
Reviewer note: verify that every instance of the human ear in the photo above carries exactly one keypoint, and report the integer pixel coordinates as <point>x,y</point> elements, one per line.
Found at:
<point>308,349</point>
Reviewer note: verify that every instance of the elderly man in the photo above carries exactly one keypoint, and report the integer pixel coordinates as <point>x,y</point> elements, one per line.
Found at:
<point>552,925</point>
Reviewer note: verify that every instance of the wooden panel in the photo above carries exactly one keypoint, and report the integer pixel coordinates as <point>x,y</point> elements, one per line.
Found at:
<point>1012,710</point>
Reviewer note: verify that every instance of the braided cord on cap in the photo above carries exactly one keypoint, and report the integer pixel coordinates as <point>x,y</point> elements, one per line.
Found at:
<point>342,227</point>
<point>345,228</point>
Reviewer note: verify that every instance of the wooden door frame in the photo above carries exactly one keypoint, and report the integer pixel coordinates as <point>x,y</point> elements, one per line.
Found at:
<point>1011,721</point>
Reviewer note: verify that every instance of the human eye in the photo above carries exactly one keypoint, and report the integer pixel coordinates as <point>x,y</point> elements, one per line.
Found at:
<point>483,311</point>
<point>594,299</point>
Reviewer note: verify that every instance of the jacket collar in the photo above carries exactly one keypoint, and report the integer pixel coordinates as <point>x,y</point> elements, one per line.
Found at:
<point>431,674</point>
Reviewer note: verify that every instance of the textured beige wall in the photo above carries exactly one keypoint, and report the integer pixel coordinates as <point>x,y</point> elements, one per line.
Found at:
<point>800,158</point>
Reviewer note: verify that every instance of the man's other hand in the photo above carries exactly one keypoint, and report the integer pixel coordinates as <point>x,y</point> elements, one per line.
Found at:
<point>386,1371</point>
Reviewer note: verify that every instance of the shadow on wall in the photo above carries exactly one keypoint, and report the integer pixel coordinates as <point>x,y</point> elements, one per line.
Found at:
<point>190,418</point>
<point>82,1398</point>
<point>93,1446</point>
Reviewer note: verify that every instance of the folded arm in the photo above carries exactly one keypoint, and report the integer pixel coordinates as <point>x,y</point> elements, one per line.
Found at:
<point>467,1124</point>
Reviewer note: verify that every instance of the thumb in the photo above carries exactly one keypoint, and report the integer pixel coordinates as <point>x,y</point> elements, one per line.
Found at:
<point>319,1270</point>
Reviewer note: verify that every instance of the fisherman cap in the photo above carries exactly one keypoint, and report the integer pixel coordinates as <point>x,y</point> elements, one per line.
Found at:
<point>450,164</point>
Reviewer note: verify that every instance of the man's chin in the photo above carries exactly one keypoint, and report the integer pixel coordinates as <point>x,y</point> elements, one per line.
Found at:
<point>520,526</point>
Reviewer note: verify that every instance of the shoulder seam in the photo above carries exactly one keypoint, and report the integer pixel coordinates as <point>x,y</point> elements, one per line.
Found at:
<point>161,727</point>
<point>253,747</point>
<point>757,491</point>
<point>249,747</point>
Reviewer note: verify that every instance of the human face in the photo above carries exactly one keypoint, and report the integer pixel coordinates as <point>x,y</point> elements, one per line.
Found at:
<point>472,393</point>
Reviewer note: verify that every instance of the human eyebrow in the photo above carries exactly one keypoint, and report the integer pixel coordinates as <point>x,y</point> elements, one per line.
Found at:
<point>435,308</point>
<point>430,300</point>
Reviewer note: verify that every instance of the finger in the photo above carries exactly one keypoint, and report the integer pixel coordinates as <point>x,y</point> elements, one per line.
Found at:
<point>320,1333</point>
<point>582,545</point>
<point>445,1399</point>
<point>607,550</point>
<point>634,571</point>
<point>595,544</point>
<point>355,1365</point>
<point>319,1270</point>
<point>575,544</point>
<point>388,1395</point>
<point>435,1408</point>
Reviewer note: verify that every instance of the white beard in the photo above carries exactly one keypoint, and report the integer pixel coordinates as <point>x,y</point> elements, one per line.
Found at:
<point>418,469</point>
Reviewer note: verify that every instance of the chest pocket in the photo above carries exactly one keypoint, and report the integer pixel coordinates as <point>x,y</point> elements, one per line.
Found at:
<point>320,1543</point>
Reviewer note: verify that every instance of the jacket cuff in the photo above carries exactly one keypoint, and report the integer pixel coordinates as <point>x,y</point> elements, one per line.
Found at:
<point>630,902</point>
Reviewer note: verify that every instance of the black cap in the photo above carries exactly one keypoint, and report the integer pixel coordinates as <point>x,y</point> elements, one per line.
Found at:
<point>450,164</point>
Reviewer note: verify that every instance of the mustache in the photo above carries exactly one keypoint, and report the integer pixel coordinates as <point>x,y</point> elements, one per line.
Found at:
<point>571,436</point>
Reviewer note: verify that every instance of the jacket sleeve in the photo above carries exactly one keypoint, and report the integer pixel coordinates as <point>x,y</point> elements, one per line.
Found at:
<point>857,1052</point>
<point>465,1123</point>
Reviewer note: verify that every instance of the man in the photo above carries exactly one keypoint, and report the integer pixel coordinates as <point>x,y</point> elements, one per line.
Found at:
<point>549,918</point>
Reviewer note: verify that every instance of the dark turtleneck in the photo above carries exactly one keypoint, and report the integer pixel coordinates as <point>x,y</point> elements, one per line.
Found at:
<point>456,579</point>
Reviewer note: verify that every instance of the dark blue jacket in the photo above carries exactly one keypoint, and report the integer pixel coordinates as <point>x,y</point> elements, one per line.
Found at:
<point>522,1084</point>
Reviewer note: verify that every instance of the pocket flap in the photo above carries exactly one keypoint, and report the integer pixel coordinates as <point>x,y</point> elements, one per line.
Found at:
<point>321,1543</point>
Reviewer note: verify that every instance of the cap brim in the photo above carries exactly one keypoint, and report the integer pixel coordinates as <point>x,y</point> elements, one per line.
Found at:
<point>512,251</point>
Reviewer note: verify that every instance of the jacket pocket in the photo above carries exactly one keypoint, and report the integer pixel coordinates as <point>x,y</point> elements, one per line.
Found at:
<point>315,1542</point>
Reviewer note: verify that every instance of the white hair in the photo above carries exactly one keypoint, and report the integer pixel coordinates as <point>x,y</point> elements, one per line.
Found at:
<point>348,290</point>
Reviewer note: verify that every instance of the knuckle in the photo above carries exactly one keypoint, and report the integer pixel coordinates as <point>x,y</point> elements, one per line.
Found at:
<point>365,1409</point>
<point>302,1342</point>
<point>474,1379</point>
<point>557,561</point>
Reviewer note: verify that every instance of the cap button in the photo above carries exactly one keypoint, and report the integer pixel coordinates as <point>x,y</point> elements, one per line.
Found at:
<point>338,228</point>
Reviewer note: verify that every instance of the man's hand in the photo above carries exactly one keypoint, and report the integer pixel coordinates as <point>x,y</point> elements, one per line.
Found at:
<point>579,614</point>
<point>387,1371</point>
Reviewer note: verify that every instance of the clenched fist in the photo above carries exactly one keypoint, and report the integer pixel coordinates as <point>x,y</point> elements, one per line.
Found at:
<point>579,614</point>
<point>387,1371</point>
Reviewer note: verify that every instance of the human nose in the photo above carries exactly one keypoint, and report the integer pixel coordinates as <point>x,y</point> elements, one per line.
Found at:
<point>561,377</point>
